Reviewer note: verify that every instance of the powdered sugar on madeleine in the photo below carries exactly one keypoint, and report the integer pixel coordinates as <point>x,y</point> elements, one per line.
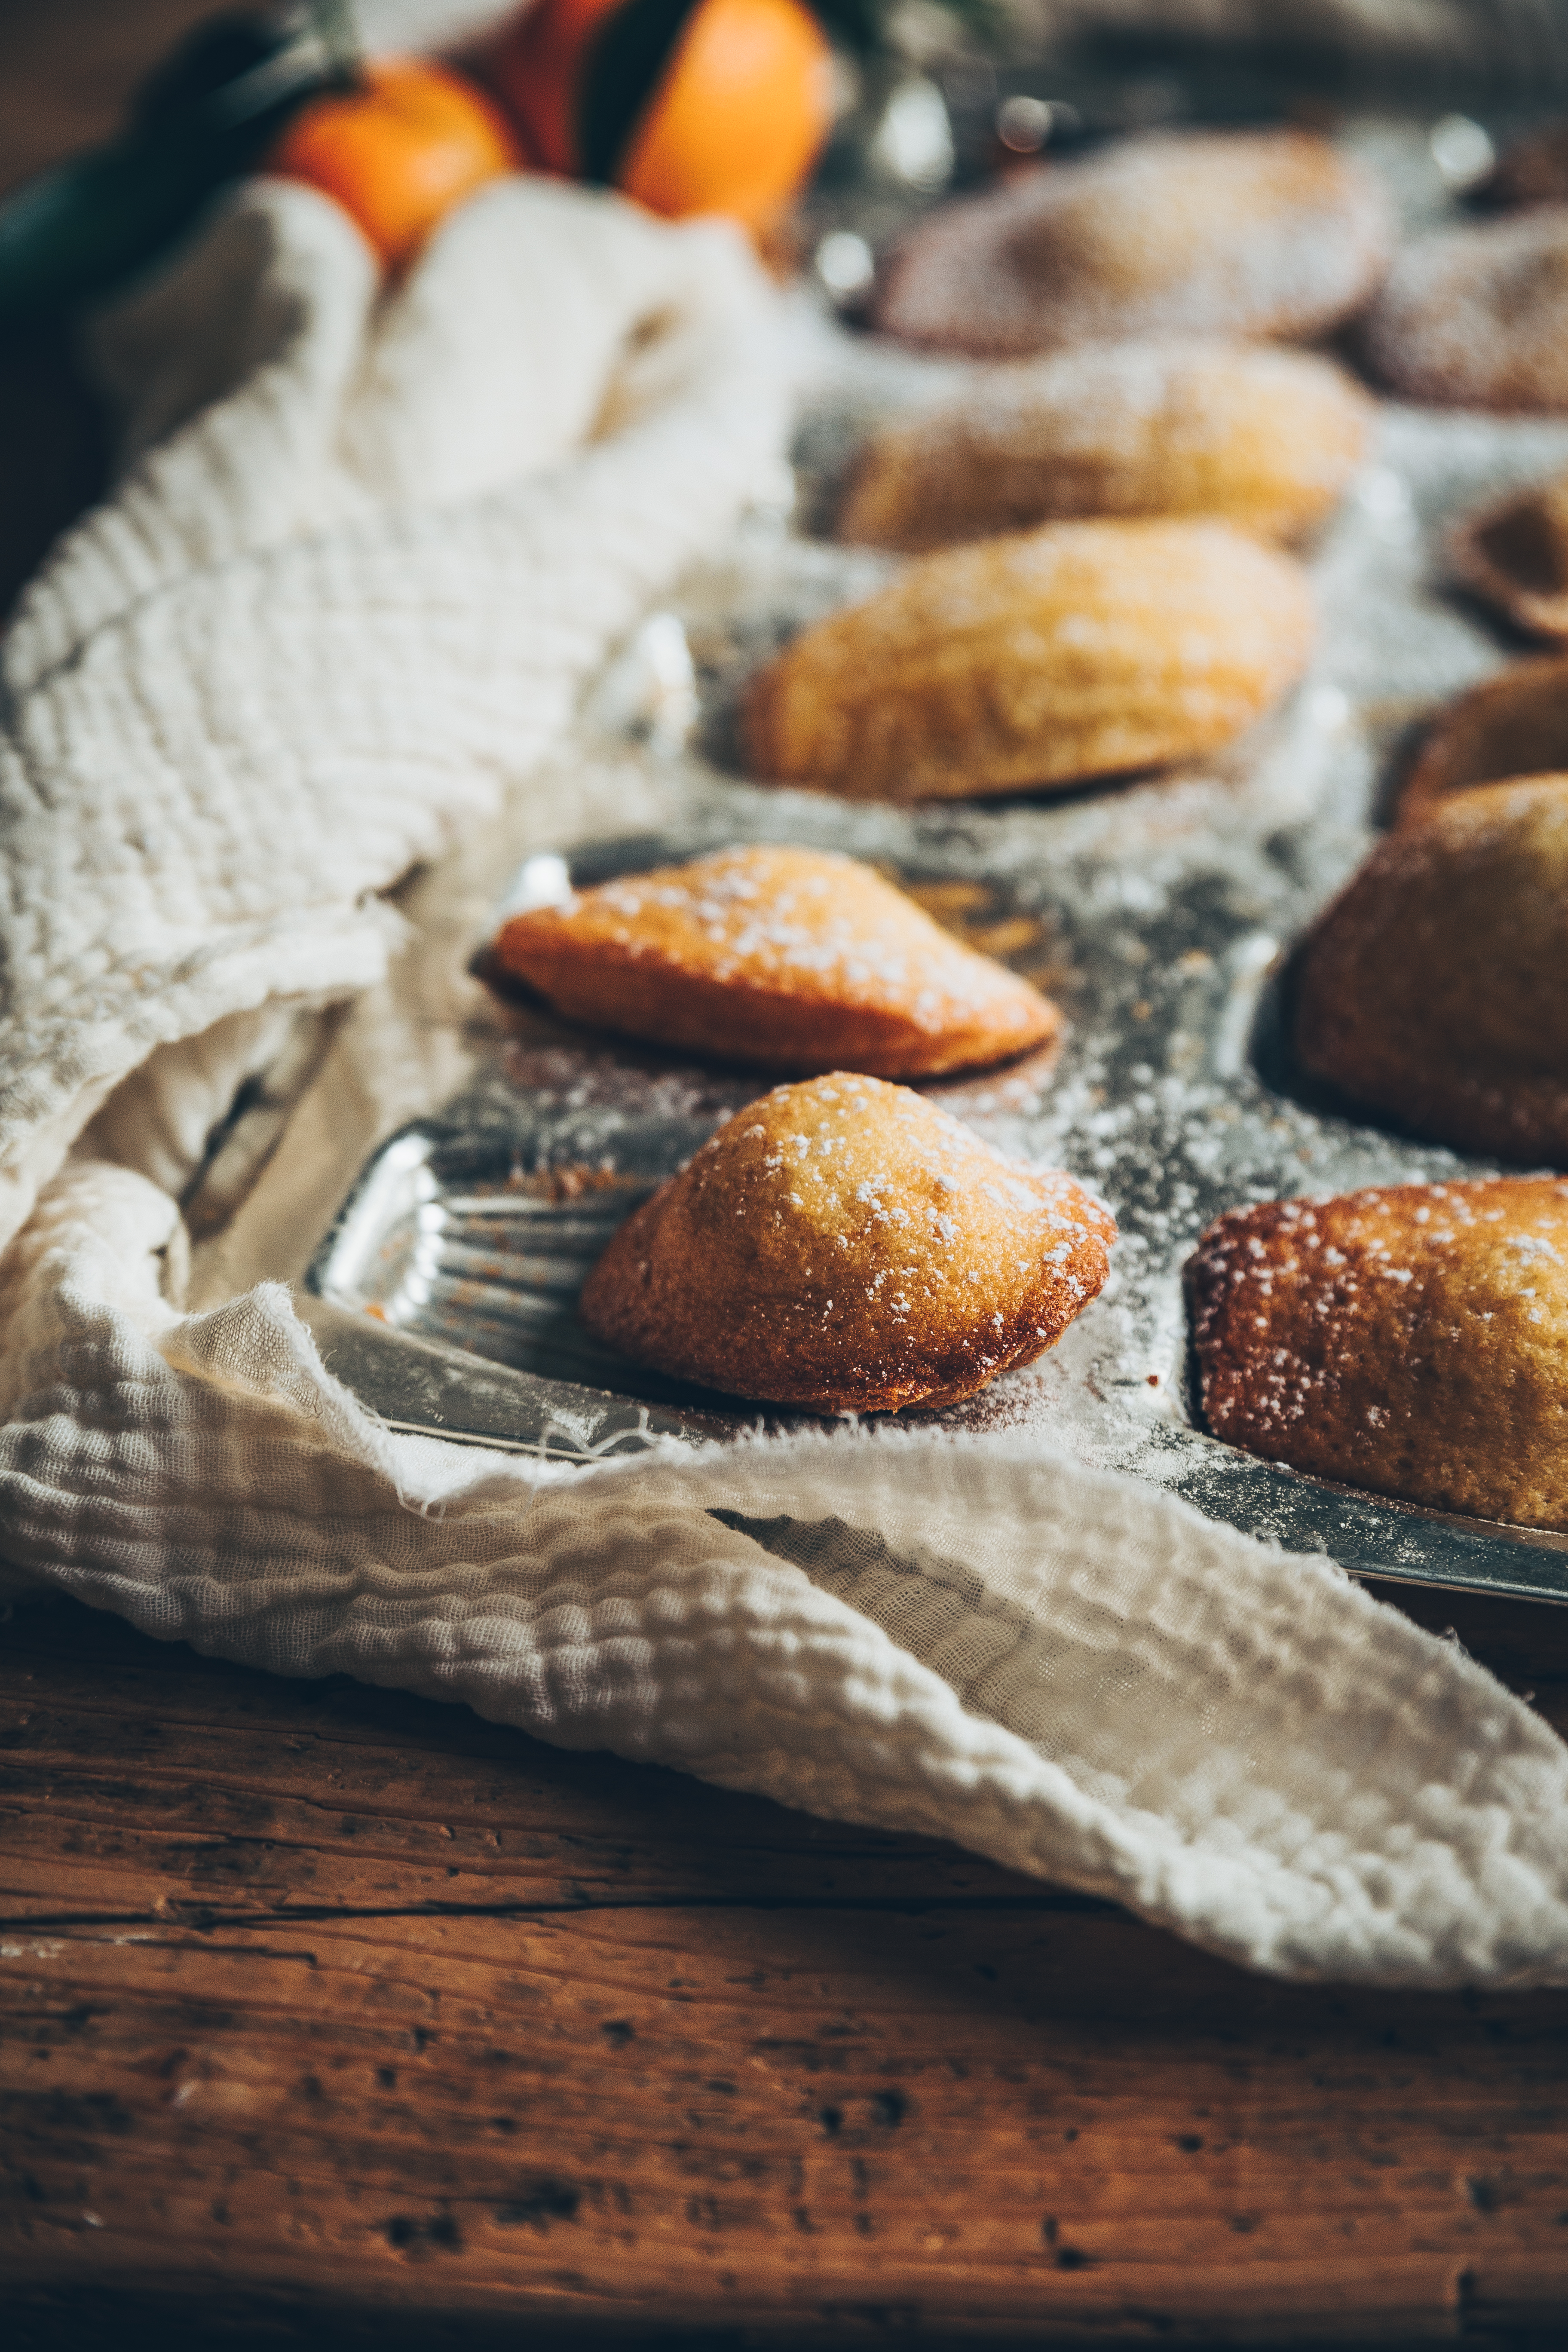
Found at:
<point>1080,649</point>
<point>1265,439</point>
<point>846,1245</point>
<point>1271,233</point>
<point>1411,1339</point>
<point>785,958</point>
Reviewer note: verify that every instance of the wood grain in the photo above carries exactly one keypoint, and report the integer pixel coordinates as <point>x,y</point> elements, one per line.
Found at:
<point>334,1999</point>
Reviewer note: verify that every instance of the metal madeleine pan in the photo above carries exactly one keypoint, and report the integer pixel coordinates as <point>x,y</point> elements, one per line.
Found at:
<point>444,1293</point>
<point>1159,912</point>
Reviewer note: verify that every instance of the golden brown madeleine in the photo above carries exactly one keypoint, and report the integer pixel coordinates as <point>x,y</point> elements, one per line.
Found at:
<point>1478,318</point>
<point>1515,724</point>
<point>1267,439</point>
<point>1435,987</point>
<point>847,1245</point>
<point>789,959</point>
<point>1514,554</point>
<point>1270,233</point>
<point>1413,1340</point>
<point>1080,649</point>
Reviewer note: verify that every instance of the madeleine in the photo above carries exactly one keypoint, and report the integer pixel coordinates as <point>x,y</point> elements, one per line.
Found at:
<point>1433,987</point>
<point>1080,650</point>
<point>1239,233</point>
<point>1266,439</point>
<point>1478,318</point>
<point>1515,724</point>
<point>1514,554</point>
<point>1411,1338</point>
<point>845,1246</point>
<point>788,959</point>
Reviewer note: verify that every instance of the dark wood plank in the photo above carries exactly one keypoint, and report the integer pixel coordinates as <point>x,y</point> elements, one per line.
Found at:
<point>332,1996</point>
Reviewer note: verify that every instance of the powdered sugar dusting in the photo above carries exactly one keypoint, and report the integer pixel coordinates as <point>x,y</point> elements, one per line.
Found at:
<point>1478,315</point>
<point>1241,235</point>
<point>793,920</point>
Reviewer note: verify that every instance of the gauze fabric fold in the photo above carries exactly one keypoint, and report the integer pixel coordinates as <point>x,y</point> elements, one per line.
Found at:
<point>966,1637</point>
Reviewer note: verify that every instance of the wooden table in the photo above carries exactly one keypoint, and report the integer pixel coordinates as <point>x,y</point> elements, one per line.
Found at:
<point>318,2000</point>
<point>332,2016</point>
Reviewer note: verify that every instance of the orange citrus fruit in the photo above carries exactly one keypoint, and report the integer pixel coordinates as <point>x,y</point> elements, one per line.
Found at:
<point>400,152</point>
<point>726,116</point>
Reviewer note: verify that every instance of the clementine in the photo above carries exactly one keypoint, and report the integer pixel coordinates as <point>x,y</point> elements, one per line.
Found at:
<point>690,106</point>
<point>399,152</point>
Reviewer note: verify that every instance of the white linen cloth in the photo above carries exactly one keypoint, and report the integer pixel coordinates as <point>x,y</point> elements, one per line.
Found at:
<point>364,554</point>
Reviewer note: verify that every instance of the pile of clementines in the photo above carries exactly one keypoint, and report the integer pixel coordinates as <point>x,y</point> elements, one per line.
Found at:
<point>692,106</point>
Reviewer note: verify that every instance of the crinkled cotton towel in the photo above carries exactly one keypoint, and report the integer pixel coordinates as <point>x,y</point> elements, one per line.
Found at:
<point>364,554</point>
